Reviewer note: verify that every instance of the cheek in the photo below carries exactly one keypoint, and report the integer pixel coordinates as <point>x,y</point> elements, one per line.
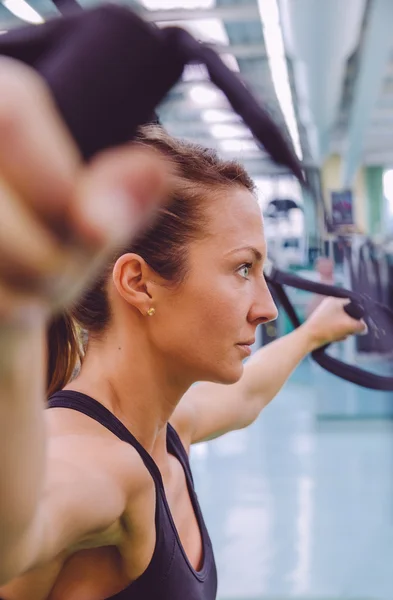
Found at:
<point>196,331</point>
<point>204,317</point>
<point>220,310</point>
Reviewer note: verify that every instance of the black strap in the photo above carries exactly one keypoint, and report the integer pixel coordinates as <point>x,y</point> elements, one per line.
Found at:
<point>67,7</point>
<point>378,317</point>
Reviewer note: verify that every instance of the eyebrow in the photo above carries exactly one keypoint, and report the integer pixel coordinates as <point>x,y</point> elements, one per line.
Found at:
<point>255,252</point>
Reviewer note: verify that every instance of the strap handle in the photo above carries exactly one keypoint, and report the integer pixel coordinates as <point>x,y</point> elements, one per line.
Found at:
<point>360,307</point>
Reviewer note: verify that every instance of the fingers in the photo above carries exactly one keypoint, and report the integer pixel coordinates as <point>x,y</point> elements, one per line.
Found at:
<point>363,329</point>
<point>117,193</point>
<point>61,219</point>
<point>37,154</point>
<point>28,250</point>
<point>113,200</point>
<point>359,325</point>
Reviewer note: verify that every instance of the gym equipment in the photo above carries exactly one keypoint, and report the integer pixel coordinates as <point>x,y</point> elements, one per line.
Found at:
<point>369,275</point>
<point>379,319</point>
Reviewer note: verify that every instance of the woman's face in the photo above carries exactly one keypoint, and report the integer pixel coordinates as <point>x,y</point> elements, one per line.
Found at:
<point>201,326</point>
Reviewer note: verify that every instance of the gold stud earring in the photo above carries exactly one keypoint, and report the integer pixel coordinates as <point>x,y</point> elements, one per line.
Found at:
<point>151,311</point>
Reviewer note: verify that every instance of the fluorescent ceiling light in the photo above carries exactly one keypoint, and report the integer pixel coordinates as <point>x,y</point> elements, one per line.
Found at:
<point>3,31</point>
<point>230,61</point>
<point>199,72</point>
<point>203,95</point>
<point>211,31</point>
<point>238,145</point>
<point>213,115</point>
<point>168,4</point>
<point>24,11</point>
<point>195,73</point>
<point>208,30</point>
<point>223,131</point>
<point>278,66</point>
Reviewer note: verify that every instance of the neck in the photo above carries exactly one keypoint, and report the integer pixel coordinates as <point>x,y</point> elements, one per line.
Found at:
<point>136,385</point>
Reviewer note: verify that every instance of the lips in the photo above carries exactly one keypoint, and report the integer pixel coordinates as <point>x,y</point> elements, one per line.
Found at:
<point>245,348</point>
<point>249,343</point>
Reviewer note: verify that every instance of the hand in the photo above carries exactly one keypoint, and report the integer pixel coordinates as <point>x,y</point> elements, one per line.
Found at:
<point>330,323</point>
<point>60,219</point>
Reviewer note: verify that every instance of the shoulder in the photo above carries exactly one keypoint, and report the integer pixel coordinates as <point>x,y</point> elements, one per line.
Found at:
<point>83,444</point>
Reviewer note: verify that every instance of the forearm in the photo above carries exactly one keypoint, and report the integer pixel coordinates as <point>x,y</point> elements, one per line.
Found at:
<point>22,429</point>
<point>269,368</point>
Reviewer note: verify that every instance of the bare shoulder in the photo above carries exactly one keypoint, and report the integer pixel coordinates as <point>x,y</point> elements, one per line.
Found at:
<point>77,440</point>
<point>92,482</point>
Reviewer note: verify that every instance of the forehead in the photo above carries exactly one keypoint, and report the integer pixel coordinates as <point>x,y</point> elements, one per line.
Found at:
<point>234,215</point>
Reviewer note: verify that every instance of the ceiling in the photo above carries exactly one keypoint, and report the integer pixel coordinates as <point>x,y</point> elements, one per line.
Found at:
<point>330,85</point>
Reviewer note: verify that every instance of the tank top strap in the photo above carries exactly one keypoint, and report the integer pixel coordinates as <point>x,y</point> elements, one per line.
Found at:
<point>175,446</point>
<point>95,410</point>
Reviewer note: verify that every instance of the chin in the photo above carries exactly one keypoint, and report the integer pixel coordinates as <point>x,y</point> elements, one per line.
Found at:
<point>227,376</point>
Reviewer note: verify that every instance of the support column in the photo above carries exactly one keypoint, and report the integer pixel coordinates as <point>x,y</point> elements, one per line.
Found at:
<point>375,202</point>
<point>313,210</point>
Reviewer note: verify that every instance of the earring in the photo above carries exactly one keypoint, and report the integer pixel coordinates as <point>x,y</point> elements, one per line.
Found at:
<point>151,312</point>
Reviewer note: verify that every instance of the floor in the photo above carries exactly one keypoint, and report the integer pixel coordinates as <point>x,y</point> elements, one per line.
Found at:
<point>299,507</point>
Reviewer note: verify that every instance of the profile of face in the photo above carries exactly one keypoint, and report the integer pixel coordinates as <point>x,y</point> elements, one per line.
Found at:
<point>200,326</point>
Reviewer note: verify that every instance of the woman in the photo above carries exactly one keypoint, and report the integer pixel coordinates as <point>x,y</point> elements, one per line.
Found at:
<point>99,501</point>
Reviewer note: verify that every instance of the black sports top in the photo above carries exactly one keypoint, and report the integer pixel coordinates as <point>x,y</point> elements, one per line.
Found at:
<point>169,576</point>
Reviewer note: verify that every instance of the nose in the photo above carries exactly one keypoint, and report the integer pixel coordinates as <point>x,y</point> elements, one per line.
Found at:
<point>263,308</point>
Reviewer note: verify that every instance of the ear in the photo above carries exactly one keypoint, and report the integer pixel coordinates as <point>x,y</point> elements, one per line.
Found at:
<point>130,278</point>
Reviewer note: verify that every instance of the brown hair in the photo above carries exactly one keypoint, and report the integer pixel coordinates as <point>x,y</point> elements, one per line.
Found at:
<point>162,245</point>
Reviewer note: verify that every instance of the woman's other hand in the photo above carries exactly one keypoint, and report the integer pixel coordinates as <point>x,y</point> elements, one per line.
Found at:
<point>330,323</point>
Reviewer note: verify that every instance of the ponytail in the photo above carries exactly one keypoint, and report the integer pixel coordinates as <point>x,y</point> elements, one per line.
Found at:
<point>64,352</point>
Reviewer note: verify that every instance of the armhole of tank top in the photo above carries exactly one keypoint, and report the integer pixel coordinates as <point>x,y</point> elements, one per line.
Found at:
<point>181,452</point>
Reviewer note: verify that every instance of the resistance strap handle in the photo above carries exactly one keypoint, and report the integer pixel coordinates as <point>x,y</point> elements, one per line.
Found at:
<point>376,315</point>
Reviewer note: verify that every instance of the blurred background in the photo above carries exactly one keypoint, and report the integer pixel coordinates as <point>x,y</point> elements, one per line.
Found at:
<point>300,505</point>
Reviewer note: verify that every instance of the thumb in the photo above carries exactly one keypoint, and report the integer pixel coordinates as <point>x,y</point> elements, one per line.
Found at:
<point>117,194</point>
<point>362,328</point>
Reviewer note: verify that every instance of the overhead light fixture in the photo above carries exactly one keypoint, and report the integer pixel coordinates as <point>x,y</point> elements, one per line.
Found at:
<point>207,30</point>
<point>195,72</point>
<point>213,115</point>
<point>210,31</point>
<point>230,61</point>
<point>238,146</point>
<point>204,94</point>
<point>3,31</point>
<point>23,10</point>
<point>237,130</point>
<point>275,50</point>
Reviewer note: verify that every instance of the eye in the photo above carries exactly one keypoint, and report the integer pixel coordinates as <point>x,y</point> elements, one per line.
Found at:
<point>245,269</point>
